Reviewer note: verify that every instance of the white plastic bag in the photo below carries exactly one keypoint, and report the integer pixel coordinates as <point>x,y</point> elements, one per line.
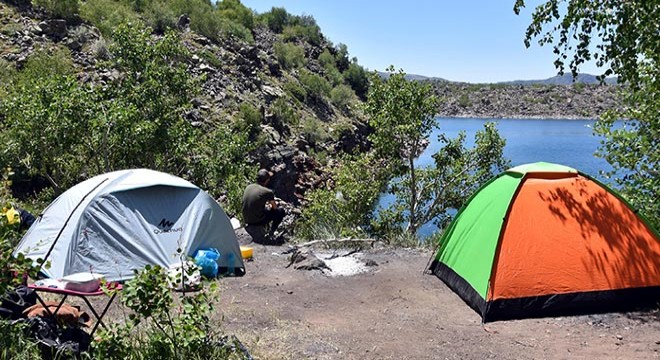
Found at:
<point>184,276</point>
<point>82,282</point>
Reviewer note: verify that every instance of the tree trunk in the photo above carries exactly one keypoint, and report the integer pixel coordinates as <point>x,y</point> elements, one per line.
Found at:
<point>412,225</point>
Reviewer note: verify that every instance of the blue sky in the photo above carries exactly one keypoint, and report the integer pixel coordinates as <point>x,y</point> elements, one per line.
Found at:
<point>469,40</point>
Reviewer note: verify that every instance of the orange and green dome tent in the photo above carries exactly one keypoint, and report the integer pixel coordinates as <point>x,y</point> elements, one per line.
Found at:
<point>543,240</point>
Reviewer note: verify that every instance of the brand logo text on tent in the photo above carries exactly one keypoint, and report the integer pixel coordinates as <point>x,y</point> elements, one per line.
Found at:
<point>166,227</point>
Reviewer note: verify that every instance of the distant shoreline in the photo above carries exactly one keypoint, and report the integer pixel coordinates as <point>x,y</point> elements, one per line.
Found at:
<point>516,117</point>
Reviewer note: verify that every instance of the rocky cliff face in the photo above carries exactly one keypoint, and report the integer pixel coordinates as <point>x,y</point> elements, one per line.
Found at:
<point>579,101</point>
<point>234,73</point>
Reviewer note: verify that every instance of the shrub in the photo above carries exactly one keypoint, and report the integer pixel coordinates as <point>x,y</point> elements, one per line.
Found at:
<point>222,165</point>
<point>344,207</point>
<point>341,97</point>
<point>204,20</point>
<point>311,34</point>
<point>248,120</point>
<point>159,16</point>
<point>313,131</point>
<point>276,19</point>
<point>290,56</point>
<point>358,78</point>
<point>295,90</point>
<point>107,15</point>
<point>210,58</point>
<point>464,100</point>
<point>100,49</point>
<point>327,60</point>
<point>229,27</point>
<point>317,87</point>
<point>335,77</point>
<point>237,12</point>
<point>341,57</point>
<point>63,9</point>
<point>284,112</point>
<point>160,325</point>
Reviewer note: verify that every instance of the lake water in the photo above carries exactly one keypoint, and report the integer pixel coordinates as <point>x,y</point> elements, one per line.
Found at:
<point>566,142</point>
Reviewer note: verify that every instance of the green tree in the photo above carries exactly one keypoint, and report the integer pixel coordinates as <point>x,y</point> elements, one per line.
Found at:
<point>234,10</point>
<point>627,45</point>
<point>47,119</point>
<point>276,19</point>
<point>357,77</point>
<point>402,116</point>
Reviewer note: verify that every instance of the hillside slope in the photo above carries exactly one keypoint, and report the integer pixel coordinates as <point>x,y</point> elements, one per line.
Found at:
<point>302,93</point>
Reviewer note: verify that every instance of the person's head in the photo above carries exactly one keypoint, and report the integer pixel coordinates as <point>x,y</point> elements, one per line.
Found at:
<point>263,176</point>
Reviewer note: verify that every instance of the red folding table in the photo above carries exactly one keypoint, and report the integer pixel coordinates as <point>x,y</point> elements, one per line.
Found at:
<point>115,287</point>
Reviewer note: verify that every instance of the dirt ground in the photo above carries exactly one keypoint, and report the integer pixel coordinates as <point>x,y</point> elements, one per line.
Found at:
<point>394,311</point>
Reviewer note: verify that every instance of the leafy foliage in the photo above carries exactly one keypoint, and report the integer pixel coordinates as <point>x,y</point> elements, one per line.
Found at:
<point>276,19</point>
<point>63,9</point>
<point>47,116</point>
<point>237,12</point>
<point>342,96</point>
<point>316,86</point>
<point>311,34</point>
<point>627,32</point>
<point>632,150</point>
<point>344,206</point>
<point>62,130</point>
<point>628,45</point>
<point>402,115</point>
<point>290,56</point>
<point>357,77</point>
<point>107,15</point>
<point>161,326</point>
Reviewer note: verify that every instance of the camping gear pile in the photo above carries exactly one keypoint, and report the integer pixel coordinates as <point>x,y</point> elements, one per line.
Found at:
<point>544,240</point>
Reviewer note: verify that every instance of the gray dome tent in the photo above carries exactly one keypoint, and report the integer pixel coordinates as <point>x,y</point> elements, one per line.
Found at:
<point>117,222</point>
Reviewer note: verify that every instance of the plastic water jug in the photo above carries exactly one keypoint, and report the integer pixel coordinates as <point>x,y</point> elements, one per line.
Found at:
<point>231,266</point>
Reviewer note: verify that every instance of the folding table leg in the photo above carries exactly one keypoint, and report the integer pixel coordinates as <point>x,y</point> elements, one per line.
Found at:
<point>47,309</point>
<point>99,319</point>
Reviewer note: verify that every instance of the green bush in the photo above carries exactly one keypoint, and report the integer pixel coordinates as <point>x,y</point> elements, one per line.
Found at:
<point>232,28</point>
<point>210,58</point>
<point>358,78</point>
<point>159,16</point>
<point>327,60</point>
<point>276,19</point>
<point>317,87</point>
<point>343,207</point>
<point>236,12</point>
<point>160,325</point>
<point>284,112</point>
<point>204,20</point>
<point>295,90</point>
<point>341,57</point>
<point>63,9</point>
<point>342,96</point>
<point>107,15</point>
<point>290,56</point>
<point>464,100</point>
<point>311,34</point>
<point>313,131</point>
<point>248,120</point>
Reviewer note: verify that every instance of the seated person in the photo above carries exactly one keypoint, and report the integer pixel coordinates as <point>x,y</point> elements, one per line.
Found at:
<point>259,205</point>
